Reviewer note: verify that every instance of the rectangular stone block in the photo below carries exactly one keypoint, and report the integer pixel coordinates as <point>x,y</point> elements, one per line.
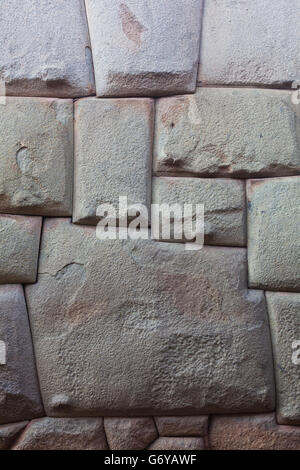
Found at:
<point>113,154</point>
<point>251,43</point>
<point>19,389</point>
<point>178,426</point>
<point>19,248</point>
<point>273,233</point>
<point>143,328</point>
<point>144,47</point>
<point>45,49</point>
<point>36,156</point>
<point>284,315</point>
<point>228,132</point>
<point>224,205</point>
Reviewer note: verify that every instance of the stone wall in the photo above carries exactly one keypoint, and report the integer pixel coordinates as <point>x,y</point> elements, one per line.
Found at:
<point>141,344</point>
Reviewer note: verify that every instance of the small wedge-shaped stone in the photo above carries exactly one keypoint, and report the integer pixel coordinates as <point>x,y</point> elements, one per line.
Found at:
<point>63,434</point>
<point>284,315</point>
<point>224,205</point>
<point>45,49</point>
<point>250,43</point>
<point>130,433</point>
<point>146,328</point>
<point>178,443</point>
<point>228,132</point>
<point>144,47</point>
<point>252,432</point>
<point>36,156</point>
<point>113,151</point>
<point>273,233</point>
<point>178,426</point>
<point>19,248</point>
<point>19,389</point>
<point>9,432</point>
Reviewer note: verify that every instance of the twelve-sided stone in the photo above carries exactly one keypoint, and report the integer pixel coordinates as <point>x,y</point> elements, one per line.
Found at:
<point>144,47</point>
<point>36,156</point>
<point>228,132</point>
<point>273,233</point>
<point>19,389</point>
<point>113,150</point>
<point>19,248</point>
<point>45,49</point>
<point>146,328</point>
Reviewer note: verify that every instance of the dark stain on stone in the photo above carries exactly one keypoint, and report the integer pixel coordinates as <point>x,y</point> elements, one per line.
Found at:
<point>132,28</point>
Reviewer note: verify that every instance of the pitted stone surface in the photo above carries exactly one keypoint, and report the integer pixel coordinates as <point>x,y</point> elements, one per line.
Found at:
<point>130,433</point>
<point>113,148</point>
<point>19,389</point>
<point>224,205</point>
<point>178,443</point>
<point>45,49</point>
<point>19,248</point>
<point>138,328</point>
<point>63,434</point>
<point>252,432</point>
<point>36,156</point>
<point>9,432</point>
<point>144,47</point>
<point>284,314</point>
<point>178,426</point>
<point>273,233</point>
<point>250,43</point>
<point>228,132</point>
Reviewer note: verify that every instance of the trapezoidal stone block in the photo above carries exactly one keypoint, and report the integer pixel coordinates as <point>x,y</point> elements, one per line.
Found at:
<point>284,317</point>
<point>227,132</point>
<point>36,156</point>
<point>250,43</point>
<point>144,47</point>
<point>19,248</point>
<point>273,233</point>
<point>19,389</point>
<point>45,49</point>
<point>137,328</point>
<point>224,203</point>
<point>113,154</point>
<point>130,433</point>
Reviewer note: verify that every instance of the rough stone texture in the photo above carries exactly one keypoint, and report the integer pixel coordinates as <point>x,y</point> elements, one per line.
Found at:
<point>224,205</point>
<point>177,426</point>
<point>63,434</point>
<point>9,432</point>
<point>19,389</point>
<point>284,314</point>
<point>252,432</point>
<point>137,328</point>
<point>130,433</point>
<point>36,156</point>
<point>144,47</point>
<point>178,443</point>
<point>19,248</point>
<point>45,48</point>
<point>250,43</point>
<point>113,147</point>
<point>228,132</point>
<point>273,233</point>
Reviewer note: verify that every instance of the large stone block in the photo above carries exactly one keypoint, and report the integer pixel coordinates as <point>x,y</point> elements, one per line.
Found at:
<point>113,152</point>
<point>250,43</point>
<point>252,432</point>
<point>19,248</point>
<point>284,315</point>
<point>144,47</point>
<point>36,156</point>
<point>9,432</point>
<point>178,443</point>
<point>273,233</point>
<point>178,426</point>
<point>45,48</point>
<point>146,328</point>
<point>19,389</point>
<point>228,132</point>
<point>130,433</point>
<point>63,434</point>
<point>224,205</point>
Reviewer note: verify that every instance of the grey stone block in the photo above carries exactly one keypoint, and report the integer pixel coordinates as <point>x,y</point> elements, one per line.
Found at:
<point>130,433</point>
<point>178,426</point>
<point>9,432</point>
<point>36,156</point>
<point>144,47</point>
<point>178,443</point>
